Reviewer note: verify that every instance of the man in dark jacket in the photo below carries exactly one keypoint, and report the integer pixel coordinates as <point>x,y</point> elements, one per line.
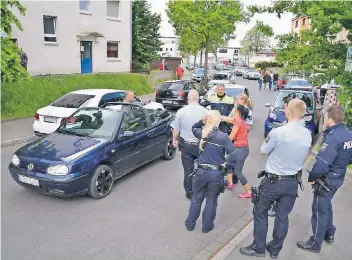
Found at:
<point>266,80</point>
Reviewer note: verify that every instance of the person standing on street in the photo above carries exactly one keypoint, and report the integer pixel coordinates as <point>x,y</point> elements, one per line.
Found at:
<point>287,147</point>
<point>179,72</point>
<point>329,169</point>
<point>271,80</point>
<point>208,179</point>
<point>275,81</point>
<point>184,139</point>
<point>239,136</point>
<point>260,80</point>
<point>266,80</point>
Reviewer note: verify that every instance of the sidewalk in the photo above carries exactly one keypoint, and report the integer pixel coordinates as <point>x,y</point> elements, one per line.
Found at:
<point>300,229</point>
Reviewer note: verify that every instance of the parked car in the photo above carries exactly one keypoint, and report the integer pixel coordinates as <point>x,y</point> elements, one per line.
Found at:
<point>222,77</point>
<point>276,116</point>
<point>49,118</point>
<point>298,83</point>
<point>174,93</point>
<point>283,80</point>
<point>250,74</point>
<point>93,148</point>
<point>198,74</point>
<point>239,70</point>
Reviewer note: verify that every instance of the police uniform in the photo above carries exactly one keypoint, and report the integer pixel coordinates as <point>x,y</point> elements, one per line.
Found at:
<point>331,163</point>
<point>224,105</point>
<point>209,177</point>
<point>185,118</point>
<point>287,147</point>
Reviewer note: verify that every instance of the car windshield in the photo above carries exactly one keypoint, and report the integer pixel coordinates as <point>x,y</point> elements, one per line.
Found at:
<point>252,70</point>
<point>199,71</point>
<point>72,100</point>
<point>220,77</point>
<point>232,92</point>
<point>302,83</point>
<point>172,86</point>
<point>92,122</point>
<point>307,97</point>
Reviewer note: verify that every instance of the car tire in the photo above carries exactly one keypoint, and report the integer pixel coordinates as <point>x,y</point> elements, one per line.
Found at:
<point>105,173</point>
<point>169,151</point>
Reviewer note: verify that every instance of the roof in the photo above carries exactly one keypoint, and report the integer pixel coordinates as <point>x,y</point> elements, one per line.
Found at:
<point>299,79</point>
<point>304,89</point>
<point>96,91</point>
<point>225,72</point>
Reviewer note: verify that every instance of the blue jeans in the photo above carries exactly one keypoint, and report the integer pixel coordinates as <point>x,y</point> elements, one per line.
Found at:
<point>275,85</point>
<point>270,84</point>
<point>260,82</point>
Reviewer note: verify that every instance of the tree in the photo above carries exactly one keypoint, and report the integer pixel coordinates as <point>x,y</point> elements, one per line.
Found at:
<point>145,35</point>
<point>207,22</point>
<point>316,49</point>
<point>11,69</point>
<point>257,38</point>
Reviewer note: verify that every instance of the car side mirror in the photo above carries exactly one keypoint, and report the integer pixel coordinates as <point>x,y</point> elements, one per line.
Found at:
<point>267,104</point>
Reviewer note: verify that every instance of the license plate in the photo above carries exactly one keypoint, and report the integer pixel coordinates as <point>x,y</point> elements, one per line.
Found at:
<point>28,180</point>
<point>167,102</point>
<point>49,119</point>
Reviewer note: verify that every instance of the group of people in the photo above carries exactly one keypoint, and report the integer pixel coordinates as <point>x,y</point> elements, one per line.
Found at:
<point>269,80</point>
<point>217,154</point>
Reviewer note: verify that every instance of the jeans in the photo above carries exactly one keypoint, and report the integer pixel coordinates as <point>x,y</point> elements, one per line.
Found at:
<point>275,85</point>
<point>260,82</point>
<point>270,84</point>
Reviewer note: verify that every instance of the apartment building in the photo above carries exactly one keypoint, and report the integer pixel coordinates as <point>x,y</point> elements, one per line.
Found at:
<point>169,47</point>
<point>77,36</point>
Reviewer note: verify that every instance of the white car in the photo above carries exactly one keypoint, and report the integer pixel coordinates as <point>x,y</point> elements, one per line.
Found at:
<point>222,77</point>
<point>49,118</point>
<point>250,74</point>
<point>239,70</point>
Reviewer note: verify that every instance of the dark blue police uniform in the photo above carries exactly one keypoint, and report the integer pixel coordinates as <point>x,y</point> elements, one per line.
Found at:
<point>208,180</point>
<point>331,163</point>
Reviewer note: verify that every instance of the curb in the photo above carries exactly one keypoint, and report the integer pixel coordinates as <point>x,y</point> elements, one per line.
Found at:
<point>18,141</point>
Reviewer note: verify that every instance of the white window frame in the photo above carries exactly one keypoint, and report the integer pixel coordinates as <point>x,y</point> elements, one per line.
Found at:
<point>48,34</point>
<point>118,2</point>
<point>118,50</point>
<point>88,5</point>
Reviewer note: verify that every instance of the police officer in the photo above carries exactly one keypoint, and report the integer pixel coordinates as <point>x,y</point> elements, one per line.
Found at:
<point>330,167</point>
<point>209,176</point>
<point>185,118</point>
<point>224,104</point>
<point>287,147</point>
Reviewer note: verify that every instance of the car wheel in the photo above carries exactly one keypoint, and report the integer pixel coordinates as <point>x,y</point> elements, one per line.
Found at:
<point>169,150</point>
<point>101,182</point>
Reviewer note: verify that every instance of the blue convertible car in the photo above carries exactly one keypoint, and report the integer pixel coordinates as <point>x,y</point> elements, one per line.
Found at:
<point>93,148</point>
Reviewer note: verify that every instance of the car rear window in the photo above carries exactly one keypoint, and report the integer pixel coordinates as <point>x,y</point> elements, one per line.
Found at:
<point>251,70</point>
<point>172,86</point>
<point>298,83</point>
<point>220,77</point>
<point>72,100</point>
<point>307,97</point>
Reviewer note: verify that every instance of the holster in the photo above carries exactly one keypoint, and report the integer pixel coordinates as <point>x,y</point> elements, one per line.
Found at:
<point>255,194</point>
<point>181,143</point>
<point>320,186</point>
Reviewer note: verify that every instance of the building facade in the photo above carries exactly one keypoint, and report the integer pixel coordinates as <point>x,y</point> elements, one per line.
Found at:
<point>169,47</point>
<point>82,36</point>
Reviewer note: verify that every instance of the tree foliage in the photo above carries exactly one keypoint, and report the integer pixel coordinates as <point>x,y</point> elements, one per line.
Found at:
<point>316,49</point>
<point>267,64</point>
<point>203,25</point>
<point>11,69</point>
<point>257,38</point>
<point>145,35</point>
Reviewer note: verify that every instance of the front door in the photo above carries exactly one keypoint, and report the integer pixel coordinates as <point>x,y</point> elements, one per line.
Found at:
<point>86,57</point>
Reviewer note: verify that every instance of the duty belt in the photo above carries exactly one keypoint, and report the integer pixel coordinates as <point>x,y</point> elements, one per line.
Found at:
<point>194,143</point>
<point>281,177</point>
<point>211,167</point>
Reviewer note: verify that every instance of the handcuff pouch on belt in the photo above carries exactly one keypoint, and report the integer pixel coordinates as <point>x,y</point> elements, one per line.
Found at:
<point>257,190</point>
<point>320,186</point>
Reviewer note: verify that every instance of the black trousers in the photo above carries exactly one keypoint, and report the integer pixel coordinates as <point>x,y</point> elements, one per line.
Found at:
<point>189,153</point>
<point>284,192</point>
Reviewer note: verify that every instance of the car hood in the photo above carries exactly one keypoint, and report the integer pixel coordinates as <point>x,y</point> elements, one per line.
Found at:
<point>56,111</point>
<point>281,117</point>
<point>214,82</point>
<point>58,147</point>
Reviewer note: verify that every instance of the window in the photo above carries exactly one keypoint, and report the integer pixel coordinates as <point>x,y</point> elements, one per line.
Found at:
<point>170,49</point>
<point>161,49</point>
<point>307,97</point>
<point>222,50</point>
<point>112,50</point>
<point>172,86</point>
<point>113,8</point>
<point>221,77</point>
<point>49,28</point>
<point>296,24</point>
<point>167,49</point>
<point>134,120</point>
<point>83,5</point>
<point>112,97</point>
<point>72,100</point>
<point>304,21</point>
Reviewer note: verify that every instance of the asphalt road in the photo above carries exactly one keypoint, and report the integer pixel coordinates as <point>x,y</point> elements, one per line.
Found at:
<point>143,217</point>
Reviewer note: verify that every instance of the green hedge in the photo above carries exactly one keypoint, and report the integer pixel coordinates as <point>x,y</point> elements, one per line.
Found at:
<point>267,64</point>
<point>23,99</point>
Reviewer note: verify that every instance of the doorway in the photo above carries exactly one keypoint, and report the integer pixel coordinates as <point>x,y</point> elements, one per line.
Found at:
<point>86,57</point>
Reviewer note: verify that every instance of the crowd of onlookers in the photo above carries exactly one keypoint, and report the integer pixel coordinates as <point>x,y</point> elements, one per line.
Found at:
<point>268,79</point>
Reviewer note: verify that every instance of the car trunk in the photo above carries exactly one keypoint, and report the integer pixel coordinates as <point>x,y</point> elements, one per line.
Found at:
<point>51,114</point>
<point>171,91</point>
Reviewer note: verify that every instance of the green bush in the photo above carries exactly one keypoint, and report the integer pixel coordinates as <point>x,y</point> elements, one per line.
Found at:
<point>24,98</point>
<point>267,64</point>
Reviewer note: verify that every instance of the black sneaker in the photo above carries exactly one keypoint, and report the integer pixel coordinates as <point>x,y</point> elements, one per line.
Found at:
<point>248,251</point>
<point>329,239</point>
<point>304,245</point>
<point>272,256</point>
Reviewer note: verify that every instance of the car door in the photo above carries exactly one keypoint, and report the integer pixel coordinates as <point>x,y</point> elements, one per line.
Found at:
<point>131,140</point>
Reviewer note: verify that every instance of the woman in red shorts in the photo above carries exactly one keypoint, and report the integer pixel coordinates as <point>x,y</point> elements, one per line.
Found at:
<point>239,135</point>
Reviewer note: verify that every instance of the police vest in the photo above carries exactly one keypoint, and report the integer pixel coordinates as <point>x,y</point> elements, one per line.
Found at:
<point>225,99</point>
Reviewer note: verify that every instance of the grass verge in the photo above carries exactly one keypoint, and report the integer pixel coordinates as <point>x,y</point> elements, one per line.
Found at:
<point>23,99</point>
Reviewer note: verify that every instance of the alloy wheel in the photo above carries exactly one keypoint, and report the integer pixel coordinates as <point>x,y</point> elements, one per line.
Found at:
<point>171,150</point>
<point>104,182</point>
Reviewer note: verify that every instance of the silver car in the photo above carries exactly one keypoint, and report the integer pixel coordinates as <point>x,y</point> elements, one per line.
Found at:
<point>250,74</point>
<point>239,70</point>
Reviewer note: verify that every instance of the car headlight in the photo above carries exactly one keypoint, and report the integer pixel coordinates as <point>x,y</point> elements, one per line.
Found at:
<point>15,160</point>
<point>307,118</point>
<point>58,170</point>
<point>272,115</point>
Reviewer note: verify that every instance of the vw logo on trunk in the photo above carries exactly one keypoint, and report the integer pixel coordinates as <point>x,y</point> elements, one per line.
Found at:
<point>30,167</point>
